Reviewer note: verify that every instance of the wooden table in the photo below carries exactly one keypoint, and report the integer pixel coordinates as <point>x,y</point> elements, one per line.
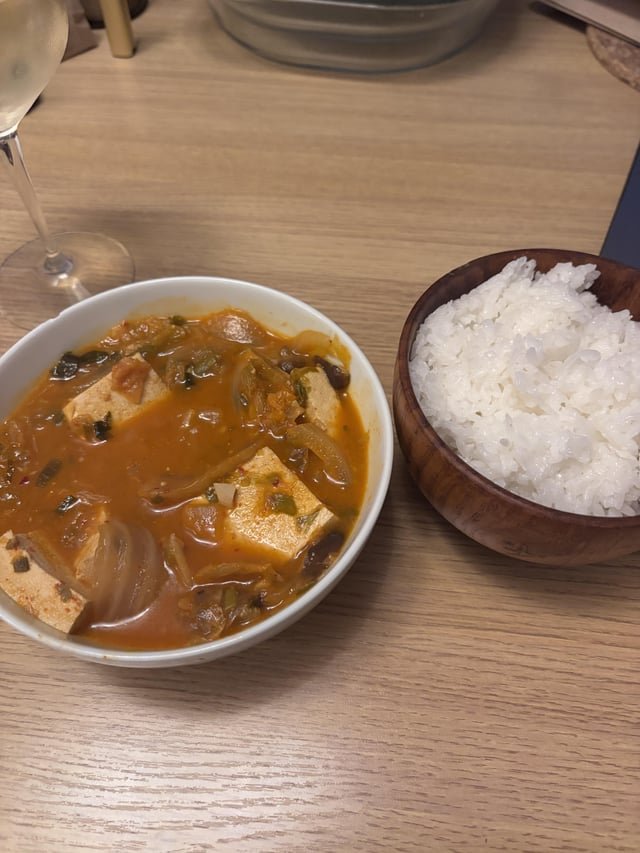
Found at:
<point>442,698</point>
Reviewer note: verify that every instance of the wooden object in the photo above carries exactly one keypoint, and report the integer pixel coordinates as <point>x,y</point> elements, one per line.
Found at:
<point>117,22</point>
<point>443,698</point>
<point>618,56</point>
<point>482,510</point>
<point>93,11</point>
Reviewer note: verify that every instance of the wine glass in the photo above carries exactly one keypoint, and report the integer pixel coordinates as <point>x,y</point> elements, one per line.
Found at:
<point>47,274</point>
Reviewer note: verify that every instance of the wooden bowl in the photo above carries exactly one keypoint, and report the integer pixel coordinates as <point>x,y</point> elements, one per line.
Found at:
<point>478,507</point>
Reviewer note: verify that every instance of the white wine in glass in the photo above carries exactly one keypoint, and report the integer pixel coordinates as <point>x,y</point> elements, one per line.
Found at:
<point>47,274</point>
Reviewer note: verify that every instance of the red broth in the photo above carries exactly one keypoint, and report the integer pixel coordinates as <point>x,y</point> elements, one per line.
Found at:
<point>170,563</point>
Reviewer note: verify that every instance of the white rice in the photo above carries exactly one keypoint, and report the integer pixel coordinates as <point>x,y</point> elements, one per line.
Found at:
<point>537,386</point>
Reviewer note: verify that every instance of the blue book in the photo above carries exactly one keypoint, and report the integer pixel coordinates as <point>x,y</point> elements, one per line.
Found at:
<point>622,242</point>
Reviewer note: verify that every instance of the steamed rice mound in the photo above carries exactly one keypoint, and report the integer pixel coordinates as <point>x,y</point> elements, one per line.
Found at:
<point>537,386</point>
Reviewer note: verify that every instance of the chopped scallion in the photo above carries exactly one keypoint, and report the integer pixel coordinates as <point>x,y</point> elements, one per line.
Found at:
<point>281,502</point>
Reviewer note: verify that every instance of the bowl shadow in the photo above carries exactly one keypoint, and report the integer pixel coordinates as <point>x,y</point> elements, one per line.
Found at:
<point>294,656</point>
<point>142,231</point>
<point>607,586</point>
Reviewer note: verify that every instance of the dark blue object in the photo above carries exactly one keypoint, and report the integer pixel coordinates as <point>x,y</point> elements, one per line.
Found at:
<point>622,242</point>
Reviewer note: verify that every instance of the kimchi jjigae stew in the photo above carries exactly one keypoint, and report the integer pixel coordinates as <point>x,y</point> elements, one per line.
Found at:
<point>179,480</point>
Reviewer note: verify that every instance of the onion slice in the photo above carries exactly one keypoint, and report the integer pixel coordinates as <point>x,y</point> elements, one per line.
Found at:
<point>312,342</point>
<point>240,573</point>
<point>325,448</point>
<point>126,572</point>
<point>182,488</point>
<point>177,561</point>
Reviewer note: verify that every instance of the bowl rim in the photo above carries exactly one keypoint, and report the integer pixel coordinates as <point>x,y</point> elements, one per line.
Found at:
<point>268,627</point>
<point>369,5</point>
<point>493,490</point>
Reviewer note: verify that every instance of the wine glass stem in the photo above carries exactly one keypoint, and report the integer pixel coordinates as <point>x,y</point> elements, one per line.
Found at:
<point>55,262</point>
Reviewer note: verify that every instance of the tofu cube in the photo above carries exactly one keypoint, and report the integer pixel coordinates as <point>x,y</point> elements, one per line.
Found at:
<point>102,399</point>
<point>273,507</point>
<point>34,589</point>
<point>322,405</point>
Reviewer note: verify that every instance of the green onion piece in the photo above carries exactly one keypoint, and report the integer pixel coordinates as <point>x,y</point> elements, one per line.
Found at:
<point>304,522</point>
<point>102,428</point>
<point>189,377</point>
<point>206,363</point>
<point>300,392</point>
<point>281,502</point>
<point>94,356</point>
<point>66,504</point>
<point>48,472</point>
<point>20,564</point>
<point>229,598</point>
<point>70,363</point>
<point>64,591</point>
<point>66,367</point>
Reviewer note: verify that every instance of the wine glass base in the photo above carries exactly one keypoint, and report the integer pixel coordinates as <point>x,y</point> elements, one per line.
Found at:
<point>29,294</point>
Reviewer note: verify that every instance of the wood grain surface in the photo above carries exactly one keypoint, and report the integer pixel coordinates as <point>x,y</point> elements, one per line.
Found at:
<point>442,698</point>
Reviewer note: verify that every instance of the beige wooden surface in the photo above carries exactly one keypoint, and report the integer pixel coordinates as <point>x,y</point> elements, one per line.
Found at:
<point>442,698</point>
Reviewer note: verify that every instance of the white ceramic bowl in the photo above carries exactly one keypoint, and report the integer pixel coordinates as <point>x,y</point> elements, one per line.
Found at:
<point>195,296</point>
